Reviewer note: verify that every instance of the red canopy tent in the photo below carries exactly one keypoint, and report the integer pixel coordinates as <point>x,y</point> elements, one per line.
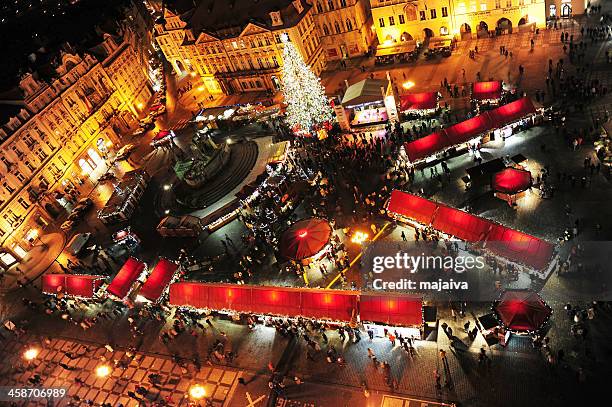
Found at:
<point>80,285</point>
<point>229,297</point>
<point>53,283</point>
<point>189,294</point>
<point>463,225</point>
<point>395,310</point>
<point>468,129</point>
<point>305,238</point>
<point>426,146</point>
<point>511,181</point>
<point>160,277</point>
<point>522,310</point>
<point>520,247</point>
<point>487,90</point>
<point>329,304</point>
<point>419,101</point>
<point>276,301</point>
<point>129,273</point>
<point>163,136</point>
<point>412,207</point>
<point>511,112</point>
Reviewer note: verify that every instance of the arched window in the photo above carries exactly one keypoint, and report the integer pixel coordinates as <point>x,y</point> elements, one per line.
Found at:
<point>319,7</point>
<point>349,25</point>
<point>325,29</point>
<point>330,4</point>
<point>342,3</point>
<point>337,27</point>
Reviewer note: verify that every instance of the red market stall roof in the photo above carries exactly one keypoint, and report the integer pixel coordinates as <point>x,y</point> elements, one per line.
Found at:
<point>129,273</point>
<point>487,90</point>
<point>505,242</point>
<point>468,129</point>
<point>426,146</point>
<point>412,207</point>
<point>511,181</point>
<point>229,297</point>
<point>419,101</point>
<point>329,304</point>
<point>305,238</point>
<point>53,283</point>
<point>511,112</point>
<point>394,310</point>
<point>519,247</point>
<point>189,294</point>
<point>463,225</point>
<point>161,135</point>
<point>271,300</point>
<point>81,285</point>
<point>522,310</point>
<point>158,280</point>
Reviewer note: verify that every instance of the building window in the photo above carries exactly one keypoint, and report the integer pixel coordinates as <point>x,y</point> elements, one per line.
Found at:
<point>19,176</point>
<point>337,26</point>
<point>349,25</point>
<point>330,4</point>
<point>325,29</point>
<point>433,13</point>
<point>422,15</point>
<point>319,8</point>
<point>497,3</point>
<point>401,19</point>
<point>23,203</point>
<point>381,22</point>
<point>391,20</point>
<point>508,3</point>
<point>8,187</point>
<point>444,12</point>
<point>483,6</point>
<point>342,3</point>
<point>521,2</point>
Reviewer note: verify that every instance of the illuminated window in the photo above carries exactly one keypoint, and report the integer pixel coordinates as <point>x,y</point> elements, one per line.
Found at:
<point>483,6</point>
<point>422,15</point>
<point>401,19</point>
<point>444,12</point>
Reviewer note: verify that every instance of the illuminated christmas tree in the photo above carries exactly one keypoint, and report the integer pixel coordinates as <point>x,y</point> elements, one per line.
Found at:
<point>307,105</point>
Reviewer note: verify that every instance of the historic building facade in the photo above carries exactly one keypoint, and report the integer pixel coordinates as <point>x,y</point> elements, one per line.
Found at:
<point>344,27</point>
<point>396,21</point>
<point>241,56</point>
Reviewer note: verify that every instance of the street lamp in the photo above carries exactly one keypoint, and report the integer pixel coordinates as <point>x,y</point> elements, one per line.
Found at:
<point>103,371</point>
<point>197,392</point>
<point>30,354</point>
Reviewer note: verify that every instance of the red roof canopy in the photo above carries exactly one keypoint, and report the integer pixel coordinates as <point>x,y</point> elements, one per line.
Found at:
<point>487,90</point>
<point>277,301</point>
<point>395,310</point>
<point>305,238</point>
<point>81,285</point>
<point>189,294</point>
<point>129,273</point>
<point>426,146</point>
<point>412,206</point>
<point>511,112</point>
<point>230,297</point>
<point>419,101</point>
<point>161,135</point>
<point>468,129</point>
<point>160,277</point>
<point>522,310</point>
<point>463,225</point>
<point>511,181</point>
<point>519,246</point>
<point>328,304</point>
<point>53,283</point>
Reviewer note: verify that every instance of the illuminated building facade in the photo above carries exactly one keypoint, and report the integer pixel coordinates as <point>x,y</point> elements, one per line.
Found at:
<point>235,46</point>
<point>397,21</point>
<point>56,130</point>
<point>344,27</point>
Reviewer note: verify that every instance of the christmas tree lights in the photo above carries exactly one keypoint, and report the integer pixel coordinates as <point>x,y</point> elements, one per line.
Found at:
<point>307,105</point>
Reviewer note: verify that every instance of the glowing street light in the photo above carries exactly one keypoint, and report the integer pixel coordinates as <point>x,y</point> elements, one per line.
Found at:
<point>103,371</point>
<point>30,354</point>
<point>359,237</point>
<point>197,391</point>
<point>408,85</point>
<point>167,187</point>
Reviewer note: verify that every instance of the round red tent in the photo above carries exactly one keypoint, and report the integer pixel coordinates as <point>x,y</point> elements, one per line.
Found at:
<point>511,181</point>
<point>522,310</point>
<point>305,238</point>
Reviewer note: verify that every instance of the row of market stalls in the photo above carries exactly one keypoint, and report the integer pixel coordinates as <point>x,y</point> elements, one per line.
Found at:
<point>499,122</point>
<point>132,277</point>
<point>501,241</point>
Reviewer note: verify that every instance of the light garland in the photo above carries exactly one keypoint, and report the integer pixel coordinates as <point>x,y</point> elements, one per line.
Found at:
<point>307,105</point>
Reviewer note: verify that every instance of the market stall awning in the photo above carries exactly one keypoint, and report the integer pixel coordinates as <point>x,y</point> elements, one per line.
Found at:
<point>468,129</point>
<point>519,247</point>
<point>401,48</point>
<point>329,304</point>
<point>412,207</point>
<point>511,112</point>
<point>158,280</point>
<point>522,310</point>
<point>189,294</point>
<point>419,101</point>
<point>463,225</point>
<point>426,146</point>
<point>229,297</point>
<point>125,278</point>
<point>305,238</point>
<point>365,91</point>
<point>53,283</point>
<point>276,301</point>
<point>80,285</point>
<point>491,90</point>
<point>395,310</point>
<point>511,181</point>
